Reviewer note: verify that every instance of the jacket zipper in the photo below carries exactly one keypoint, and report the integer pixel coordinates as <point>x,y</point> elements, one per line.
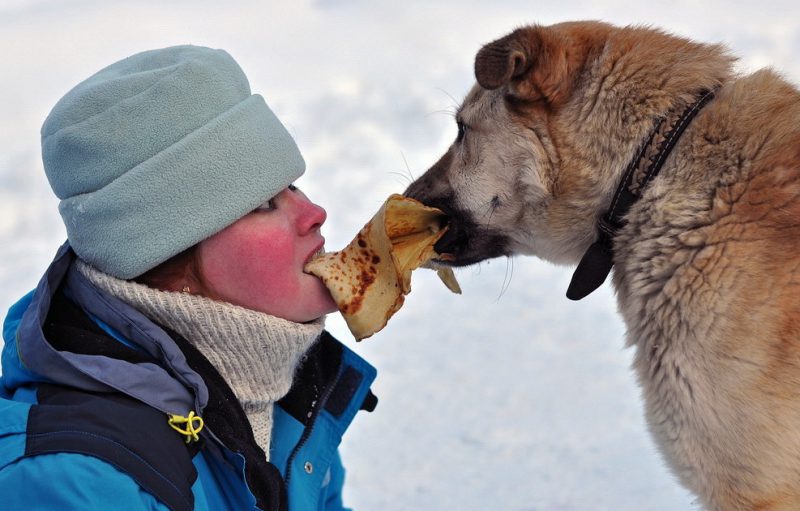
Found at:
<point>315,411</point>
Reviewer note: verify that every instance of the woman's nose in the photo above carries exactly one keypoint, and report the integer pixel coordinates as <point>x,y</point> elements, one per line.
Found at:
<point>310,216</point>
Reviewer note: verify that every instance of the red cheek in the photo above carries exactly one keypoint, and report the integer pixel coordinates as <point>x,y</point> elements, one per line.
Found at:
<point>251,268</point>
<point>265,262</point>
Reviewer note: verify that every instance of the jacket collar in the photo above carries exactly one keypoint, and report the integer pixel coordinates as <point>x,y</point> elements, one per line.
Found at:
<point>169,384</point>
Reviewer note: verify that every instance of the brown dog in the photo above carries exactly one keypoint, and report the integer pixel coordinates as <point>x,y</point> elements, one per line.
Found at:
<point>706,252</point>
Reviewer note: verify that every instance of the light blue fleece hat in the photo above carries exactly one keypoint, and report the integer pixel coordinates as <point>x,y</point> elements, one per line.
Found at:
<point>159,151</point>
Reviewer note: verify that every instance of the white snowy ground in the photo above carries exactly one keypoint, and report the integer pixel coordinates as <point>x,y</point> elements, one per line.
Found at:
<point>508,397</point>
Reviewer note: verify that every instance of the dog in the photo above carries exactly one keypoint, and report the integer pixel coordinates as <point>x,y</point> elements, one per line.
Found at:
<point>556,157</point>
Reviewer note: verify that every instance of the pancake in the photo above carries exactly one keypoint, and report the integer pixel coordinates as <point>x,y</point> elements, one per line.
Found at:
<point>370,277</point>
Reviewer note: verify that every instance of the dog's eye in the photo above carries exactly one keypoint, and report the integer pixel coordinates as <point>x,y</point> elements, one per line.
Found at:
<point>461,131</point>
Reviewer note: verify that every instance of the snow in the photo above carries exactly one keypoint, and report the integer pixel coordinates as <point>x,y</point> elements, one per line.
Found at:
<point>507,397</point>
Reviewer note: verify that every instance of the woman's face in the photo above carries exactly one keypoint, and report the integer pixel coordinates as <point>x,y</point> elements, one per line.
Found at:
<point>257,262</point>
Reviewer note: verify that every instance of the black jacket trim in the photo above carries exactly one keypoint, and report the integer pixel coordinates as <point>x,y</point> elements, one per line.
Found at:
<point>68,328</point>
<point>346,386</point>
<point>119,430</point>
<point>317,372</point>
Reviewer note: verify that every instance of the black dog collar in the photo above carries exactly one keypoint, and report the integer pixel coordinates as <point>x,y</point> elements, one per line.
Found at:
<point>597,261</point>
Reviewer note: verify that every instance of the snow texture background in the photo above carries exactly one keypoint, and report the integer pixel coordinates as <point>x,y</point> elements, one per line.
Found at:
<point>509,397</point>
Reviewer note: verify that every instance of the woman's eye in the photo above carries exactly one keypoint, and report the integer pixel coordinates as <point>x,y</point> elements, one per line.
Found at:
<point>267,206</point>
<point>270,204</point>
<point>461,131</point>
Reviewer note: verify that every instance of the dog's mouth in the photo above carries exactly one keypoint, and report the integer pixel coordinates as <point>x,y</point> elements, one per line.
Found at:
<point>460,247</point>
<point>466,242</point>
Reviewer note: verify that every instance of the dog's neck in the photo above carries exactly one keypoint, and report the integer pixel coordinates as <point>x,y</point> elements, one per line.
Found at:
<point>597,262</point>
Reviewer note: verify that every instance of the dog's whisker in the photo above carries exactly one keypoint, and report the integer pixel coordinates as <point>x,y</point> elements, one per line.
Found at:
<point>490,208</point>
<point>404,179</point>
<point>450,113</point>
<point>487,209</point>
<point>407,177</point>
<point>507,277</point>
<point>408,169</point>
<point>453,99</point>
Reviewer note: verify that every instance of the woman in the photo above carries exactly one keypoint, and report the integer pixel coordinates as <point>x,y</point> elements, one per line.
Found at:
<point>173,355</point>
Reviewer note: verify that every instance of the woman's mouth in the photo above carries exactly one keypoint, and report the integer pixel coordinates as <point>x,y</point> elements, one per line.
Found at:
<point>316,253</point>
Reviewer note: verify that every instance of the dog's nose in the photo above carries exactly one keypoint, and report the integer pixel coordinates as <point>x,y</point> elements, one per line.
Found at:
<point>432,183</point>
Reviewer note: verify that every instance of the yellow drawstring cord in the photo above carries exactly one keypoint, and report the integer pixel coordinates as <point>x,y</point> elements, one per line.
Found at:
<point>190,431</point>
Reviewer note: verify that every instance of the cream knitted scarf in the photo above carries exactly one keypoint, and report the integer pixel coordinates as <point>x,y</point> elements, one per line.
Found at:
<point>256,353</point>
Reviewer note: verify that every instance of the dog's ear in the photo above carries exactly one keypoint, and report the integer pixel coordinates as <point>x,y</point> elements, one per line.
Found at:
<point>536,63</point>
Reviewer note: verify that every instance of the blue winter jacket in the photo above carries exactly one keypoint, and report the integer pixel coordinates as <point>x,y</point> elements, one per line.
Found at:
<point>88,384</point>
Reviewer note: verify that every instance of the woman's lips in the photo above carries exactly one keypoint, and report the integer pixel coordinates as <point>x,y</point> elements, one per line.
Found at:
<point>316,252</point>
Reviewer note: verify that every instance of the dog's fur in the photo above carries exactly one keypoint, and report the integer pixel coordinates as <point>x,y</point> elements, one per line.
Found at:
<point>707,268</point>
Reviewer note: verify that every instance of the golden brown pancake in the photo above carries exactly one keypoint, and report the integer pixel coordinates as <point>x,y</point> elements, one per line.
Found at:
<point>370,277</point>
